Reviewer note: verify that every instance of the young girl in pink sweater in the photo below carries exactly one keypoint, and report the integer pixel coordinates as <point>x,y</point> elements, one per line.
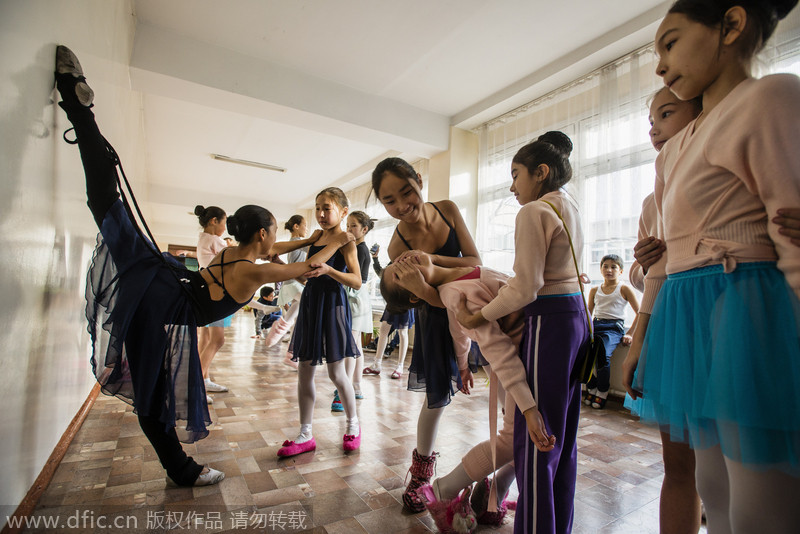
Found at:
<point>546,286</point>
<point>721,348</point>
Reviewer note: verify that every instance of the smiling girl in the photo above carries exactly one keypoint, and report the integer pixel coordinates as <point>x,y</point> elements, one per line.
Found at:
<point>436,229</point>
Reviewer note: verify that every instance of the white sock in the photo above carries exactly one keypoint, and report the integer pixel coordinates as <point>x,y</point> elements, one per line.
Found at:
<point>352,426</point>
<point>452,483</point>
<point>305,434</point>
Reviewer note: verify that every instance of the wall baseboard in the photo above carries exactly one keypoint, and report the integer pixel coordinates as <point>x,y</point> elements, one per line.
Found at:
<point>28,504</point>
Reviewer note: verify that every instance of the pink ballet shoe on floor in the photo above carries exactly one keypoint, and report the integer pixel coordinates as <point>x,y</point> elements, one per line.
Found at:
<point>288,361</point>
<point>351,442</point>
<point>290,448</point>
<point>453,516</point>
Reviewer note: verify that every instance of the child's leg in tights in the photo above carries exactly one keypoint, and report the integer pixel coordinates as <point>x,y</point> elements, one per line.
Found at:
<point>477,463</point>
<point>290,316</point>
<point>679,508</point>
<point>355,366</point>
<point>427,427</point>
<point>712,485</point>
<point>402,333</point>
<point>742,499</point>
<point>306,396</point>
<point>383,340</point>
<point>763,501</point>
<point>338,375</point>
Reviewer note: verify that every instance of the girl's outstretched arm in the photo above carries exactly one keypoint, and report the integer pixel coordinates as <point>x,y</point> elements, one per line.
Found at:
<point>282,247</point>
<point>274,272</point>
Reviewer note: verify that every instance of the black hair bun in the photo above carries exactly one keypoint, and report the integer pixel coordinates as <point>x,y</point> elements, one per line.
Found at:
<point>199,210</point>
<point>233,227</point>
<point>783,7</point>
<point>560,140</point>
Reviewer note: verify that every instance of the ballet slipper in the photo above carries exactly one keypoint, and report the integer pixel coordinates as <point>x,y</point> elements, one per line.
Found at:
<point>290,448</point>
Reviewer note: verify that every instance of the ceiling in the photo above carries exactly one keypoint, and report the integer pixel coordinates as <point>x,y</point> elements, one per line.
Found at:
<point>326,89</point>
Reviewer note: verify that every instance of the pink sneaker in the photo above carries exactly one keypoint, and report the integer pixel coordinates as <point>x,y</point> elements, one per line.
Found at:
<point>290,448</point>
<point>454,516</point>
<point>351,442</point>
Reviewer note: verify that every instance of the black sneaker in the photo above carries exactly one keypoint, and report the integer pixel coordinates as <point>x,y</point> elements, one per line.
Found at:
<point>67,64</point>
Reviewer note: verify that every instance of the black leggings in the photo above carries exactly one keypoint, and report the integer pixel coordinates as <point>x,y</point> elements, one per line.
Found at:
<point>99,165</point>
<point>182,469</point>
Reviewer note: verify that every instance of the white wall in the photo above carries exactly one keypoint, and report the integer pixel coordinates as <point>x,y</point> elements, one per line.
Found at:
<point>46,232</point>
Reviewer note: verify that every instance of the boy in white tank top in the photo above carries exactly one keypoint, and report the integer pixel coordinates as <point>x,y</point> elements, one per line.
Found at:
<point>607,304</point>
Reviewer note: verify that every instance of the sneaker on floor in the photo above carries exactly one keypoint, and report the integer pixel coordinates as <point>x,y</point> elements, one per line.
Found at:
<point>359,395</point>
<point>336,405</point>
<point>599,400</point>
<point>209,400</point>
<point>214,388</point>
<point>212,476</point>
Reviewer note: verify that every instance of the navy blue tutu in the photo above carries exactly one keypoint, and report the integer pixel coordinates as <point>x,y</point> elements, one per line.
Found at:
<point>322,333</point>
<point>398,320</point>
<point>433,366</point>
<point>721,363</point>
<point>143,328</point>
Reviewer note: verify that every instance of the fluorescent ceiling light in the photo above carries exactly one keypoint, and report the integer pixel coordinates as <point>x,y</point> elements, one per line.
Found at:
<point>248,163</point>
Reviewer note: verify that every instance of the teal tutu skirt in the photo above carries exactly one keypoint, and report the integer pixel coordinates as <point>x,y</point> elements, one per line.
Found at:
<point>721,364</point>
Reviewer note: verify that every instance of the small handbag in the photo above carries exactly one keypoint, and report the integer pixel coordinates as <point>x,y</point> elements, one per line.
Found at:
<point>586,367</point>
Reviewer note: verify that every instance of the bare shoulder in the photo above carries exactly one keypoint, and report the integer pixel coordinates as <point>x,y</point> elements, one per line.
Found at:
<point>449,208</point>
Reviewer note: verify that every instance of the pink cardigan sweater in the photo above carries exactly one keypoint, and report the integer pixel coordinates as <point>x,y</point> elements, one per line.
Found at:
<point>543,260</point>
<point>501,350</point>
<point>719,184</point>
